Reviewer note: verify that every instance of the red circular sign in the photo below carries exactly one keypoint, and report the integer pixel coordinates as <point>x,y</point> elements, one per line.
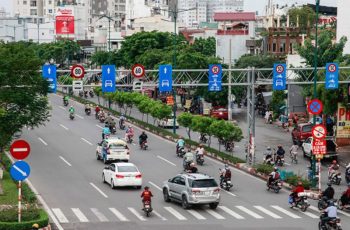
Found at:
<point>279,68</point>
<point>332,68</point>
<point>20,149</point>
<point>138,70</point>
<point>315,107</point>
<point>77,71</point>
<point>319,131</point>
<point>215,69</point>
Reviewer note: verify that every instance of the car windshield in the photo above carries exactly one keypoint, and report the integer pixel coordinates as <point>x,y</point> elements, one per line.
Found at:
<point>127,169</point>
<point>307,128</point>
<point>116,146</point>
<point>205,183</point>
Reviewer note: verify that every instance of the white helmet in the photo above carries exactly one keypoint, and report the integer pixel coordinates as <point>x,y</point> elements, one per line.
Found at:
<point>348,166</point>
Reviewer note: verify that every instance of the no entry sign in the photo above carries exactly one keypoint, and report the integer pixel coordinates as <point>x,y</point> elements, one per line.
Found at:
<point>20,149</point>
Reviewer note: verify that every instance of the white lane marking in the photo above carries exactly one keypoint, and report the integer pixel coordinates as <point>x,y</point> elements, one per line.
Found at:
<point>166,160</point>
<point>286,163</point>
<point>230,193</point>
<point>80,215</point>
<point>86,141</point>
<point>160,216</point>
<point>344,213</point>
<point>215,214</point>
<point>99,126</point>
<point>249,212</point>
<point>288,213</point>
<point>65,161</point>
<point>268,212</point>
<point>19,149</point>
<point>133,211</point>
<point>196,214</point>
<point>42,141</point>
<point>99,215</point>
<point>99,190</point>
<point>60,216</point>
<point>133,144</point>
<point>79,116</point>
<point>156,186</point>
<point>314,208</point>
<point>339,211</point>
<point>232,213</point>
<point>120,216</point>
<point>64,127</point>
<point>309,214</point>
<point>61,107</point>
<point>175,213</point>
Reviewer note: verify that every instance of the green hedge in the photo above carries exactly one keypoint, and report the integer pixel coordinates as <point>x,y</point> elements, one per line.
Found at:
<point>264,168</point>
<point>293,180</point>
<point>41,219</point>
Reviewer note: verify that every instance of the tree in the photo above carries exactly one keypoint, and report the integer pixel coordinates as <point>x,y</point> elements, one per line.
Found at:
<point>277,102</point>
<point>200,124</point>
<point>302,17</point>
<point>185,120</point>
<point>205,46</point>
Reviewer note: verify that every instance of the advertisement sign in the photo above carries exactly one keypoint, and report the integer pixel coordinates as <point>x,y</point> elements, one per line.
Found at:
<point>343,122</point>
<point>279,76</point>
<point>319,146</point>
<point>65,20</point>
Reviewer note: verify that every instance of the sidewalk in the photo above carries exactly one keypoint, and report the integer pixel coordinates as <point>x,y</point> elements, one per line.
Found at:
<point>344,155</point>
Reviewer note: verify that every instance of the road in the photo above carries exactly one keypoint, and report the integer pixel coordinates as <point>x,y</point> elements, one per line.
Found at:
<point>67,175</point>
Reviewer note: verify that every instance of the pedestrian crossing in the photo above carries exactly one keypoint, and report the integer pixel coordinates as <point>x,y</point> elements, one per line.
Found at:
<point>129,214</point>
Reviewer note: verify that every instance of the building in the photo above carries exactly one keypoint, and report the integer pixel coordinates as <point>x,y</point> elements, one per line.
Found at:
<point>223,6</point>
<point>343,23</point>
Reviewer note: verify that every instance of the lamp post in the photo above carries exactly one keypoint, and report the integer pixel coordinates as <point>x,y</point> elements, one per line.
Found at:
<point>315,88</point>
<point>104,15</point>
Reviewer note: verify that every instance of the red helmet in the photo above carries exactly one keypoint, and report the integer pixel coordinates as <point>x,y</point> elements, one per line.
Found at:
<point>300,183</point>
<point>334,161</point>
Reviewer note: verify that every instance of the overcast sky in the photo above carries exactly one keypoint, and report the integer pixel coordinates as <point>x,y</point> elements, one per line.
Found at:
<point>250,5</point>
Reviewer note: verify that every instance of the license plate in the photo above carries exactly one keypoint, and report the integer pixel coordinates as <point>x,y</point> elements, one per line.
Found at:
<point>147,206</point>
<point>207,193</point>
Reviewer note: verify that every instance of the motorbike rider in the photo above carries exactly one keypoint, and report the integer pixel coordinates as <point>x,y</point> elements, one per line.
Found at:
<point>188,158</point>
<point>225,174</point>
<point>268,155</point>
<point>122,119</point>
<point>71,110</point>
<point>333,169</point>
<point>65,98</point>
<point>108,119</point>
<point>87,108</point>
<point>280,152</point>
<point>101,114</point>
<point>146,195</point>
<point>129,132</point>
<point>331,213</point>
<point>274,175</point>
<point>347,174</point>
<point>180,144</point>
<point>97,110</point>
<point>105,131</point>
<point>192,168</point>
<point>35,226</point>
<point>298,189</point>
<point>345,198</point>
<point>200,151</point>
<point>294,149</point>
<point>143,137</point>
<point>328,193</point>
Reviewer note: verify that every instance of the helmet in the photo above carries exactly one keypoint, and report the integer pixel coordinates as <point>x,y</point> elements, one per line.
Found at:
<point>200,145</point>
<point>300,183</point>
<point>329,184</point>
<point>143,132</point>
<point>130,126</point>
<point>146,187</point>
<point>192,164</point>
<point>275,169</point>
<point>226,166</point>
<point>348,166</point>
<point>268,148</point>
<point>123,115</point>
<point>334,161</point>
<point>180,137</point>
<point>279,146</point>
<point>35,226</point>
<point>331,203</point>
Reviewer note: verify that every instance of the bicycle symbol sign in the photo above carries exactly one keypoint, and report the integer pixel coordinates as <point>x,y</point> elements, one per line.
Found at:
<point>215,69</point>
<point>279,69</point>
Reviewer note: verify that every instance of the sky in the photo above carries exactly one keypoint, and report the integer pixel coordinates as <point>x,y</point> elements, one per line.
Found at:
<point>250,5</point>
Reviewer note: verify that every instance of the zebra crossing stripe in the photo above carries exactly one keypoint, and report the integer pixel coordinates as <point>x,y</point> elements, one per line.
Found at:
<point>232,213</point>
<point>60,216</point>
<point>196,214</point>
<point>120,216</point>
<point>288,213</point>
<point>80,215</point>
<point>133,211</point>
<point>309,214</point>
<point>99,215</point>
<point>253,214</point>
<point>268,212</point>
<point>215,214</point>
<point>160,216</point>
<point>175,213</point>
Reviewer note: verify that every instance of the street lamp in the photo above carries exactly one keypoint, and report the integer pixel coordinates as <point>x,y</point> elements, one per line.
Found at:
<point>315,86</point>
<point>104,15</point>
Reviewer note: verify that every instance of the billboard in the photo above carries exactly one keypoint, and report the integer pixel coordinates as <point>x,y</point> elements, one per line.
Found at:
<point>343,122</point>
<point>65,20</point>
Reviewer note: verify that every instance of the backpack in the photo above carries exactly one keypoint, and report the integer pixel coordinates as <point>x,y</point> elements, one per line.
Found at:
<point>228,173</point>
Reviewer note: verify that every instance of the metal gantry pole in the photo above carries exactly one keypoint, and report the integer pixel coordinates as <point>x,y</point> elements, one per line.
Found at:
<point>19,201</point>
<point>252,78</point>
<point>109,34</point>
<point>174,64</point>
<point>229,84</point>
<point>248,116</point>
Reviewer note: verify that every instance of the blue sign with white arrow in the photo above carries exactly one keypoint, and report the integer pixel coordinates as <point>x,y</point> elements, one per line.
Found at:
<point>332,76</point>
<point>108,78</point>
<point>20,170</point>
<point>215,78</point>
<point>165,78</point>
<point>279,76</point>
<point>49,73</point>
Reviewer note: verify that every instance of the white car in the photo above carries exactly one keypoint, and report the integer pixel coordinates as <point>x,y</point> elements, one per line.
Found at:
<point>121,175</point>
<point>168,123</point>
<point>112,149</point>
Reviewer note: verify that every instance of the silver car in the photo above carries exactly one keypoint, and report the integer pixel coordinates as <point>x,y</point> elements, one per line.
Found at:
<point>191,189</point>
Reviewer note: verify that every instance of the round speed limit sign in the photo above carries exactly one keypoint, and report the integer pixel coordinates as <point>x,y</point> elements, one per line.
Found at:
<point>138,71</point>
<point>77,71</point>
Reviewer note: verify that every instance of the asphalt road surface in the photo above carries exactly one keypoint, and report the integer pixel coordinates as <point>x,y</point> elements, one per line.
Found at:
<point>69,178</point>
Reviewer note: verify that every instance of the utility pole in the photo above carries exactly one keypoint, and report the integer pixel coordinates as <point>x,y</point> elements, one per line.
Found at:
<point>14,31</point>
<point>229,82</point>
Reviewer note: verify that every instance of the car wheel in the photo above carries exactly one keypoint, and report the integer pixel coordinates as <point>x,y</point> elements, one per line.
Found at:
<point>138,187</point>
<point>184,202</point>
<point>103,178</point>
<point>213,205</point>
<point>166,195</point>
<point>112,184</point>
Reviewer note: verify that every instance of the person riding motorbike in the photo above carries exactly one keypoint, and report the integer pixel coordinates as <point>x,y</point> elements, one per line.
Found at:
<point>122,120</point>
<point>347,174</point>
<point>298,189</point>
<point>331,213</point>
<point>333,169</point>
<point>180,144</point>
<point>274,175</point>
<point>225,174</point>
<point>108,119</point>
<point>345,198</point>
<point>328,193</point>
<point>192,168</point>
<point>188,158</point>
<point>268,156</point>
<point>71,110</point>
<point>87,108</point>
<point>105,131</point>
<point>101,114</point>
<point>146,195</point>
<point>129,133</point>
<point>280,153</point>
<point>142,138</point>
<point>97,110</point>
<point>65,99</point>
<point>294,150</point>
<point>200,151</point>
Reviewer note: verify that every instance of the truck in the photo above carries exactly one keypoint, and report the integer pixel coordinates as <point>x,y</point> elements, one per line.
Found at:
<point>331,152</point>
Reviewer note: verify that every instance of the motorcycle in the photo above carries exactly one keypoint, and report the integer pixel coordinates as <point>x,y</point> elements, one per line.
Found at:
<point>335,178</point>
<point>81,93</point>
<point>203,139</point>
<point>129,138</point>
<point>88,111</point>
<point>300,202</point>
<point>276,186</point>
<point>280,161</point>
<point>102,118</point>
<point>91,93</point>
<point>331,224</point>
<point>122,124</point>
<point>268,160</point>
<point>65,102</point>
<point>293,157</point>
<point>180,152</point>
<point>342,206</point>
<point>229,146</point>
<point>71,116</point>
<point>144,145</point>
<point>200,159</point>
<point>226,184</point>
<point>186,165</point>
<point>323,202</point>
<point>147,208</point>
<point>86,94</point>
<point>113,129</point>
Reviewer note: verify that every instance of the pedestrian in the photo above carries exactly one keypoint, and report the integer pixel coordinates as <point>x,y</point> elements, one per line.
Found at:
<point>267,115</point>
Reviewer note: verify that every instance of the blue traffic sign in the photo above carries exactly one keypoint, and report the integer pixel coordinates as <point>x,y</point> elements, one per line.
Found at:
<point>165,78</point>
<point>20,170</point>
<point>279,76</point>
<point>49,73</point>
<point>332,76</point>
<point>215,78</point>
<point>108,78</point>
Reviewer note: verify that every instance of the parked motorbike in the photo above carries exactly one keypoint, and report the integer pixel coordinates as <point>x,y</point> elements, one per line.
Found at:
<point>81,93</point>
<point>332,224</point>
<point>71,116</point>
<point>144,145</point>
<point>147,208</point>
<point>200,159</point>
<point>301,202</point>
<point>86,94</point>
<point>65,102</point>
<point>229,146</point>
<point>276,186</point>
<point>335,178</point>
<point>203,138</point>
<point>226,184</point>
<point>180,152</point>
<point>91,93</point>
<point>88,111</point>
